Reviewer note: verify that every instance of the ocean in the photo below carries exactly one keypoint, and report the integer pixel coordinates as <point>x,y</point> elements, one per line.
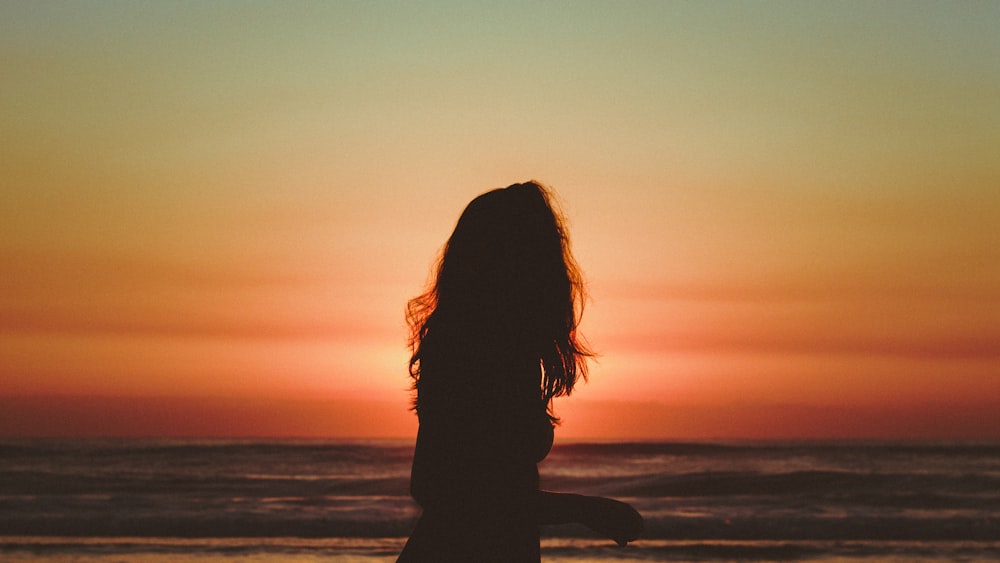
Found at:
<point>97,501</point>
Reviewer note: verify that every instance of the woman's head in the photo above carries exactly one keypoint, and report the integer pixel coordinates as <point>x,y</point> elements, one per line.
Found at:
<point>507,278</point>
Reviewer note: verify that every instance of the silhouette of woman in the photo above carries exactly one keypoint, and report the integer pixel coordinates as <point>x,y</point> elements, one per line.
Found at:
<point>493,342</point>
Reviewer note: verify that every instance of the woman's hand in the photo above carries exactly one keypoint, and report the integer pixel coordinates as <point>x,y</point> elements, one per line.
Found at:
<point>612,519</point>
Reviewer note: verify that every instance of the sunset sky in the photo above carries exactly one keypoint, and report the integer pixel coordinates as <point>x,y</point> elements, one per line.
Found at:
<point>212,214</point>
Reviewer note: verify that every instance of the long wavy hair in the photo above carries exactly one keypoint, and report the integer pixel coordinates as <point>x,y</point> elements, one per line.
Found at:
<point>506,277</point>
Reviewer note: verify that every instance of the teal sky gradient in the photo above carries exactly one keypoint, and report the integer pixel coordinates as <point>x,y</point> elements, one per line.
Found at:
<point>775,203</point>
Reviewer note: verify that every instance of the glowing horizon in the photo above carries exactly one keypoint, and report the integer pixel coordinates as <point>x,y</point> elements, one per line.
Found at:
<point>785,211</point>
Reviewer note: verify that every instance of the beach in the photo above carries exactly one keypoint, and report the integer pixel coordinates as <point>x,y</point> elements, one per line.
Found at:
<point>384,550</point>
<point>313,500</point>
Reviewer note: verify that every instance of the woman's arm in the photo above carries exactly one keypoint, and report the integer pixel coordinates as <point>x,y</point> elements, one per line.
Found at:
<point>559,508</point>
<point>608,517</point>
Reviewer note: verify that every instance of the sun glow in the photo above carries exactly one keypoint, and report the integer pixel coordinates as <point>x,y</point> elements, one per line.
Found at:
<point>786,217</point>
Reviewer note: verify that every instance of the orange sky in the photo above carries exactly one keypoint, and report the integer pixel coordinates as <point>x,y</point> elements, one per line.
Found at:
<point>211,216</point>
